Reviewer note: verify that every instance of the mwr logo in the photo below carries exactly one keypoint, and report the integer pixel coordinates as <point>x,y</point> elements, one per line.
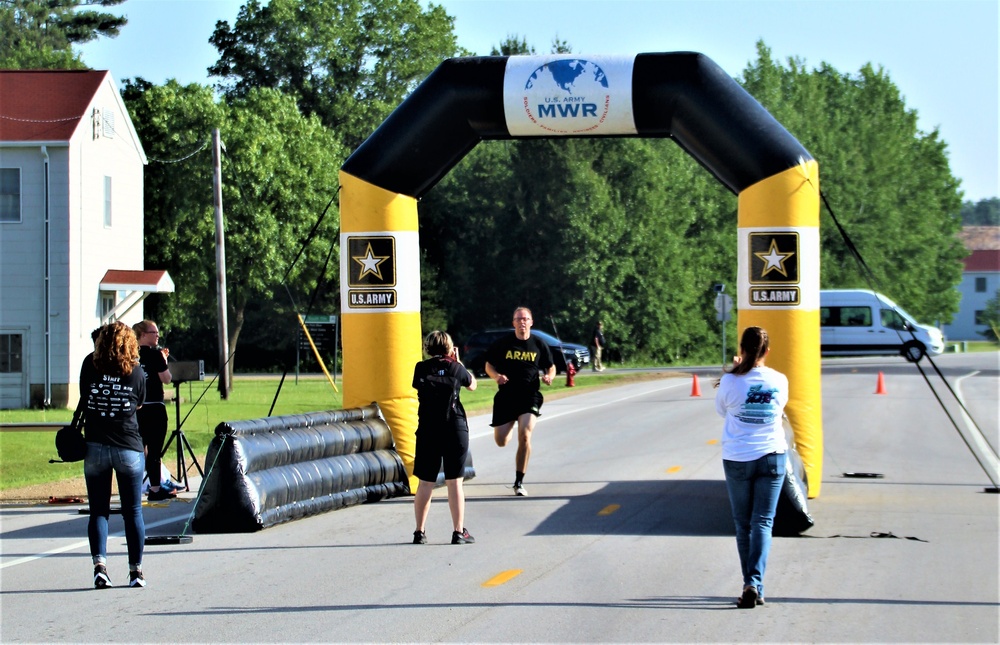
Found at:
<point>774,258</point>
<point>567,96</point>
<point>368,299</point>
<point>372,261</point>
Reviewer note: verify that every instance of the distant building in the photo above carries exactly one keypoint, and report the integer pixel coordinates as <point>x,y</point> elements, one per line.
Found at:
<point>980,282</point>
<point>71,228</point>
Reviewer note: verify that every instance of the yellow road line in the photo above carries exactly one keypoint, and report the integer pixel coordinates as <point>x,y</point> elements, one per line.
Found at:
<point>502,578</point>
<point>673,469</point>
<point>609,509</point>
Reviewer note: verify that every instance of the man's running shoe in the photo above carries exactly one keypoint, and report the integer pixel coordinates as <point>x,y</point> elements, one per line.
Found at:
<point>520,490</point>
<point>419,537</point>
<point>160,495</point>
<point>101,578</point>
<point>462,538</point>
<point>135,579</point>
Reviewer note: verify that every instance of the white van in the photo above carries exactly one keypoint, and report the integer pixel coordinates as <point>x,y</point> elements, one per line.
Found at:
<point>854,322</point>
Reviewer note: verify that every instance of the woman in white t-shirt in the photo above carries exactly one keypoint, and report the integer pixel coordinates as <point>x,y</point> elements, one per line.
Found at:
<point>751,398</point>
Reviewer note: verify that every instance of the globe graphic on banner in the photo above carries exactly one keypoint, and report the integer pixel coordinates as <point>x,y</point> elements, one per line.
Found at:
<point>567,95</point>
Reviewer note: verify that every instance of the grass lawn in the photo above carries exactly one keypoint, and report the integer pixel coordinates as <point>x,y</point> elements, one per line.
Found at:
<point>24,455</point>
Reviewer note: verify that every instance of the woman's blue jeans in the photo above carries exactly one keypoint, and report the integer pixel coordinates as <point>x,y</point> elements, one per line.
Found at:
<point>754,487</point>
<point>129,466</point>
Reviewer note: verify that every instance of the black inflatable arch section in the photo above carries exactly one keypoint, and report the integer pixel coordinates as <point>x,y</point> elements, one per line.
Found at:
<point>681,95</point>
<point>271,470</point>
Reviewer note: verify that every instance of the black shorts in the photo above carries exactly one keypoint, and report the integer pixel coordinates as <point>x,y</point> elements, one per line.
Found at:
<point>449,445</point>
<point>509,404</point>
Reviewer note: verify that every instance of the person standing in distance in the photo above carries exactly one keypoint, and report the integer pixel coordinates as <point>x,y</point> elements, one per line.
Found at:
<point>751,398</point>
<point>112,387</point>
<point>442,433</point>
<point>514,361</point>
<point>153,416</point>
<point>598,343</point>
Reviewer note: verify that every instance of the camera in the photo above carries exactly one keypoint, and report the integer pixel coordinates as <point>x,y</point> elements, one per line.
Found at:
<point>718,287</point>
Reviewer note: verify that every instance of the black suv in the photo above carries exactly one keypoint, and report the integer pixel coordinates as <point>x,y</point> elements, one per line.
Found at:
<point>474,350</point>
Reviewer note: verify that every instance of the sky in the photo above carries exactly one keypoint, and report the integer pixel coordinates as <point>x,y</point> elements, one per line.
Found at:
<point>941,54</point>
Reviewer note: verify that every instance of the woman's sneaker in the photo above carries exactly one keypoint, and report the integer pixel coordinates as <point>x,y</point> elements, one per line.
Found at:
<point>135,579</point>
<point>101,578</point>
<point>462,537</point>
<point>749,598</point>
<point>419,537</point>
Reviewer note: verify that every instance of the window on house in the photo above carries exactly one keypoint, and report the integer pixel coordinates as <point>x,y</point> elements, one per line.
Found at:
<point>980,285</point>
<point>107,303</point>
<point>107,201</point>
<point>108,123</point>
<point>980,318</point>
<point>10,353</point>
<point>10,194</point>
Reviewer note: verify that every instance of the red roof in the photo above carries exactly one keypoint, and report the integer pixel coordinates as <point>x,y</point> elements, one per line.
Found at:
<point>149,280</point>
<point>45,105</point>
<point>983,261</point>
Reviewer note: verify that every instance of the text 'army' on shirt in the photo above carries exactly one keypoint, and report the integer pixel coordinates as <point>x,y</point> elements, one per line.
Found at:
<point>518,355</point>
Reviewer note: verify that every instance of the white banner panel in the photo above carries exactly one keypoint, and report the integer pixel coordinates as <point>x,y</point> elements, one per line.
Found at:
<point>778,268</point>
<point>382,270</point>
<point>568,95</point>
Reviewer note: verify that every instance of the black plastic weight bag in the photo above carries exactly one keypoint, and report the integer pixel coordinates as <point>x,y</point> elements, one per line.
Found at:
<point>70,444</point>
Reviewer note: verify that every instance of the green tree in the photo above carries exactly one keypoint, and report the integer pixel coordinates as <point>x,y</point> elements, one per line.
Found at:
<point>888,182</point>
<point>41,35</point>
<point>350,62</point>
<point>985,212</point>
<point>582,229</point>
<point>279,175</point>
<point>513,46</point>
<point>991,317</point>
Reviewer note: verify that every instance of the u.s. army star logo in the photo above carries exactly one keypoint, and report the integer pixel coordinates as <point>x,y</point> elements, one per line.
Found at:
<point>774,258</point>
<point>372,261</point>
<point>774,269</point>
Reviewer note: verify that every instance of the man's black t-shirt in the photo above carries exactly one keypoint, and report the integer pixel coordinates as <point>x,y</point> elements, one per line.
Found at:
<point>152,363</point>
<point>520,360</point>
<point>110,406</point>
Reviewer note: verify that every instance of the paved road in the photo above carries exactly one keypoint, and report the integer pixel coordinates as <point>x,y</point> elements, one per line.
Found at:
<point>626,537</point>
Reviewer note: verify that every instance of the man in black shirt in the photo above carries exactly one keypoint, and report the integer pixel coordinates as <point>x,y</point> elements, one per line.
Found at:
<point>514,362</point>
<point>152,415</point>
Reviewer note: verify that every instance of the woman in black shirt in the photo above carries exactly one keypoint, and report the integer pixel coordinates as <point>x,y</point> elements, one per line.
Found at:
<point>113,387</point>
<point>442,432</point>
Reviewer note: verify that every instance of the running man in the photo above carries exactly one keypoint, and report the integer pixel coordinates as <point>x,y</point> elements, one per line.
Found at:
<point>514,362</point>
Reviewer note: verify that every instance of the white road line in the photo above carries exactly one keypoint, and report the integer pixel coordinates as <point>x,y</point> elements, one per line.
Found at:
<point>977,436</point>
<point>86,543</point>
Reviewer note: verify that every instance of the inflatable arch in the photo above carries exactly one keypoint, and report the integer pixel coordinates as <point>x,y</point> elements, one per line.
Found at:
<point>682,95</point>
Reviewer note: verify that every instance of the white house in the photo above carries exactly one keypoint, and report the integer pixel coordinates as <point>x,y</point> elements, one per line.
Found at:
<point>71,228</point>
<point>980,282</point>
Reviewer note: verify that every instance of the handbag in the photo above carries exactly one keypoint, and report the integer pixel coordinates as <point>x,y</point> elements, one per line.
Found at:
<point>70,444</point>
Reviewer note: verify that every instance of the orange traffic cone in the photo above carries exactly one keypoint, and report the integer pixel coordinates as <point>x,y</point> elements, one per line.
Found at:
<point>880,388</point>
<point>695,389</point>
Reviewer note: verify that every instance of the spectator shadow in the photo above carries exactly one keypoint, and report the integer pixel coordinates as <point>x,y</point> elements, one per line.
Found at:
<point>645,507</point>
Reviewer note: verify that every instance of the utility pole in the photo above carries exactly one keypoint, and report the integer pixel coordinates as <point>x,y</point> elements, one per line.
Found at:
<point>225,372</point>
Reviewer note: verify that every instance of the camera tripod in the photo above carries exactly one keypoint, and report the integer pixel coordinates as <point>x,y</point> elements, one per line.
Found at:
<point>182,442</point>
